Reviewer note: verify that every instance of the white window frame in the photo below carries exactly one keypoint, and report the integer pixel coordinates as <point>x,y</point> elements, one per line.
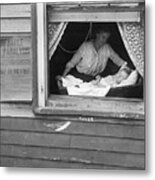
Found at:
<point>73,105</point>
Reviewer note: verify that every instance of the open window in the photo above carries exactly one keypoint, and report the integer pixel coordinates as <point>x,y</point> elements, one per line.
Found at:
<point>60,31</point>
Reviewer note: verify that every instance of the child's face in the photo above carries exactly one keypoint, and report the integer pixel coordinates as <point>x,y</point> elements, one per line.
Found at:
<point>102,38</point>
<point>120,76</point>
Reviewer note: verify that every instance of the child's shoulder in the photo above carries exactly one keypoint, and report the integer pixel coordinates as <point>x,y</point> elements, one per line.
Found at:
<point>86,44</point>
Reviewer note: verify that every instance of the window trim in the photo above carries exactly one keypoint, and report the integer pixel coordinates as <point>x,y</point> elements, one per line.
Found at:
<point>42,105</point>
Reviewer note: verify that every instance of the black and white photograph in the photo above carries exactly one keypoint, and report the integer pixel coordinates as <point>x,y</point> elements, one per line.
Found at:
<point>73,85</point>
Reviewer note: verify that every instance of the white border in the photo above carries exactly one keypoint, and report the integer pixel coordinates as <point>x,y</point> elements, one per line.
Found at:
<point>149,174</point>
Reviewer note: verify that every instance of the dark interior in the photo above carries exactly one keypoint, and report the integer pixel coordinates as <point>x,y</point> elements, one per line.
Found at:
<point>73,37</point>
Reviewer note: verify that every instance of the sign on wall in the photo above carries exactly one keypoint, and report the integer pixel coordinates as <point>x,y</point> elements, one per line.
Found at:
<point>16,68</point>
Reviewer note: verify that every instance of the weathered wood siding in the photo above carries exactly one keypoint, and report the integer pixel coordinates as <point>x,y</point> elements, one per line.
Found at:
<point>16,52</point>
<point>34,141</point>
<point>105,143</point>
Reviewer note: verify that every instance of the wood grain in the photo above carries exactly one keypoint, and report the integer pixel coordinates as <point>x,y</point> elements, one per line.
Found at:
<point>15,10</point>
<point>16,68</point>
<point>16,55</point>
<point>95,17</point>
<point>16,25</point>
<point>23,110</point>
<point>74,155</point>
<point>108,144</point>
<point>73,141</point>
<point>43,125</point>
<point>39,163</point>
<point>93,106</point>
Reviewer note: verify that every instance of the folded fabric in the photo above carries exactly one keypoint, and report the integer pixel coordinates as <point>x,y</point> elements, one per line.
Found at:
<point>88,89</point>
<point>76,86</point>
<point>70,80</point>
<point>131,80</point>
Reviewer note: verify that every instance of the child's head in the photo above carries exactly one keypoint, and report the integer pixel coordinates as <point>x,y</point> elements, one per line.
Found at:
<point>122,74</point>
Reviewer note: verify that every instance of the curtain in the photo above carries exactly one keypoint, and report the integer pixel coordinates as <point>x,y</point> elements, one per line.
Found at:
<point>55,33</point>
<point>133,38</point>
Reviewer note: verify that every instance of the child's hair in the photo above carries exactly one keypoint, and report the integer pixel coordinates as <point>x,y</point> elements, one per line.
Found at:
<point>102,30</point>
<point>99,30</point>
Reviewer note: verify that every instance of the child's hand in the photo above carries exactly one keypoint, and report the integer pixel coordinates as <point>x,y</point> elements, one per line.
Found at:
<point>98,78</point>
<point>58,77</point>
<point>59,82</point>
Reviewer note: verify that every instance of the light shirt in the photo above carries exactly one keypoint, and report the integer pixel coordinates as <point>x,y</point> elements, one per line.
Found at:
<point>91,62</point>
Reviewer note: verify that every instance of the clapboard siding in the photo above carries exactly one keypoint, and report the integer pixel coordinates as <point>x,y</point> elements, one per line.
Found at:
<point>15,10</point>
<point>16,52</point>
<point>40,163</point>
<point>16,67</point>
<point>103,129</point>
<point>74,155</point>
<point>15,25</point>
<point>104,143</point>
<point>24,110</point>
<point>15,18</point>
<point>32,140</point>
<point>73,141</point>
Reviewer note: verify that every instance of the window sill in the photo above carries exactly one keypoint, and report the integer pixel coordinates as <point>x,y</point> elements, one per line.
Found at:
<point>93,107</point>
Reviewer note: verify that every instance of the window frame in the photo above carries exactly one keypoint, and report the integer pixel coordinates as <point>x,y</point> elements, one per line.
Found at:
<point>63,104</point>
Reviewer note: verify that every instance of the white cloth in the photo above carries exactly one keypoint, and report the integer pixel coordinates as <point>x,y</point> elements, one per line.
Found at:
<point>88,89</point>
<point>76,86</point>
<point>70,81</point>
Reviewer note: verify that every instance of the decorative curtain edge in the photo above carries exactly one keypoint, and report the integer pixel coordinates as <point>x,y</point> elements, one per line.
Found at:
<point>126,46</point>
<point>53,45</point>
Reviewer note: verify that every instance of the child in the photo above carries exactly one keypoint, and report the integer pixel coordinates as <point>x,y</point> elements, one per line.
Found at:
<point>113,80</point>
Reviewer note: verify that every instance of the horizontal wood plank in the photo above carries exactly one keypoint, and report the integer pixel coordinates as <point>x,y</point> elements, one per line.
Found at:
<point>39,163</point>
<point>74,155</point>
<point>93,106</point>
<point>24,111</point>
<point>95,7</point>
<point>16,34</point>
<point>98,3</point>
<point>20,109</point>
<point>95,17</point>
<point>48,140</point>
<point>79,128</point>
<point>108,144</point>
<point>32,163</point>
<point>16,25</point>
<point>15,10</point>
<point>68,141</point>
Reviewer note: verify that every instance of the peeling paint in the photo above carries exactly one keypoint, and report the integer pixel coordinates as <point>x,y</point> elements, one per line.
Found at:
<point>88,119</point>
<point>57,126</point>
<point>50,125</point>
<point>73,159</point>
<point>63,127</point>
